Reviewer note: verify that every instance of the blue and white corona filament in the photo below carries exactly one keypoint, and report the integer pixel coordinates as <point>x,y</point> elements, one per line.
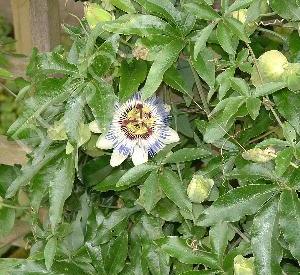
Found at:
<point>139,129</point>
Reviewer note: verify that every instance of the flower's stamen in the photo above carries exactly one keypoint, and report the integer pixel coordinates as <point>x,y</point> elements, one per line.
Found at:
<point>137,122</point>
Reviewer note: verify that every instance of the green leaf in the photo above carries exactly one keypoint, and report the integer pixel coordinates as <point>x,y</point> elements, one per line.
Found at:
<point>112,221</point>
<point>289,220</point>
<point>73,117</point>
<point>132,75</point>
<point>31,169</point>
<point>187,154</point>
<point>164,60</point>
<point>174,79</point>
<point>218,236</point>
<point>166,210</point>
<point>139,24</point>
<point>174,190</point>
<point>157,260</point>
<point>178,248</point>
<point>135,173</point>
<point>253,106</point>
<point>236,27</point>
<point>254,171</point>
<point>50,251</point>
<point>164,9</point>
<point>238,203</point>
<point>104,57</point>
<point>290,10</point>
<point>150,192</point>
<point>117,254</point>
<point>224,38</point>
<point>239,4</point>
<point>60,188</point>
<point>39,184</point>
<point>5,74</point>
<point>101,99</point>
<point>205,67</point>
<point>289,133</point>
<point>232,107</point>
<point>55,63</point>
<point>124,5</point>
<point>268,88</point>
<point>288,105</point>
<point>47,92</point>
<point>283,161</point>
<point>202,37</point>
<point>7,176</point>
<point>240,85</point>
<point>110,182</point>
<point>95,253</point>
<point>7,218</point>
<point>265,232</point>
<point>201,10</point>
<point>255,9</point>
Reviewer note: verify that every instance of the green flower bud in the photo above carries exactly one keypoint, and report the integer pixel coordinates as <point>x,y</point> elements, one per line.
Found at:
<point>292,76</point>
<point>241,15</point>
<point>95,14</point>
<point>259,155</point>
<point>243,266</point>
<point>272,66</point>
<point>199,188</point>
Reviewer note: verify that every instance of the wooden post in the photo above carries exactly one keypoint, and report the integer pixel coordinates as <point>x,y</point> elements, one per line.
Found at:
<point>22,30</point>
<point>45,24</point>
<point>36,24</point>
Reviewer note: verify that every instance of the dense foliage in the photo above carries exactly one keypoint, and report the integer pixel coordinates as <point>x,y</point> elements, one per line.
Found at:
<point>9,109</point>
<point>222,200</point>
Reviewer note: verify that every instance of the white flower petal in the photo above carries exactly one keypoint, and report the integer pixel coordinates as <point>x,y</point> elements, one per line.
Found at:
<point>139,155</point>
<point>167,108</point>
<point>104,143</point>
<point>117,158</point>
<point>94,127</point>
<point>171,137</point>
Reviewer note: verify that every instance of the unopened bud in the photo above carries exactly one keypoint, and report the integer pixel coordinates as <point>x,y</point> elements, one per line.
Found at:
<point>199,188</point>
<point>260,155</point>
<point>243,266</point>
<point>271,65</point>
<point>95,14</point>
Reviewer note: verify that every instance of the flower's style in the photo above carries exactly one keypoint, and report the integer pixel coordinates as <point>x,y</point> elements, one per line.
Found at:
<point>138,129</point>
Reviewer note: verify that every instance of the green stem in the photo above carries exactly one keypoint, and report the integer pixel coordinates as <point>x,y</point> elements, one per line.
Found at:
<point>240,233</point>
<point>224,5</point>
<point>8,90</point>
<point>13,206</point>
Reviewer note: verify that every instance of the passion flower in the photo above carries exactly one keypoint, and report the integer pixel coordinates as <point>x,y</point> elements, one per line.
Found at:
<point>271,65</point>
<point>140,128</point>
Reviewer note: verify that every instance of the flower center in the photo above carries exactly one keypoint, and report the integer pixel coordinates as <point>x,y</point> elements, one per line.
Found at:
<point>137,122</point>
